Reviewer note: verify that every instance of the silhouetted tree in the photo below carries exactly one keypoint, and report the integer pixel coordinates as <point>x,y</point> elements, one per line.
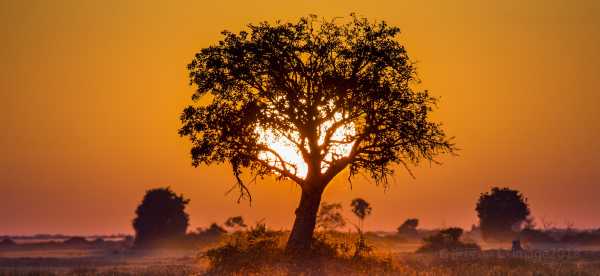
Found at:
<point>336,95</point>
<point>330,217</point>
<point>235,223</point>
<point>160,216</point>
<point>501,213</point>
<point>409,227</point>
<point>361,208</point>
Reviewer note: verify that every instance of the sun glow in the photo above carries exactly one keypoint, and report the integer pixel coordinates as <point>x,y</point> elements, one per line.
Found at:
<point>286,149</point>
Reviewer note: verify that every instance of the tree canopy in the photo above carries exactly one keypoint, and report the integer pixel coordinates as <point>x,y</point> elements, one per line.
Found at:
<point>160,216</point>
<point>338,94</point>
<point>303,101</point>
<point>501,212</point>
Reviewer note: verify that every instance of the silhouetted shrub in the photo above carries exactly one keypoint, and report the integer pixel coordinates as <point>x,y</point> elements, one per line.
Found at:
<point>214,230</point>
<point>246,252</point>
<point>160,217</point>
<point>447,239</point>
<point>582,237</point>
<point>502,212</point>
<point>409,228</point>
<point>76,241</point>
<point>7,242</point>
<point>236,223</point>
<point>529,235</point>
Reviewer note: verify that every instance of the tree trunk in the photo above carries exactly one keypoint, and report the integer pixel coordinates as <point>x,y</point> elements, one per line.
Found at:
<point>306,217</point>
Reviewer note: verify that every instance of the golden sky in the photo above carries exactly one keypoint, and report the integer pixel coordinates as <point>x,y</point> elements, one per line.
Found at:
<point>91,93</point>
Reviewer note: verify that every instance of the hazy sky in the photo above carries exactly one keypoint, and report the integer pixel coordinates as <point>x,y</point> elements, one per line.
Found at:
<point>91,93</point>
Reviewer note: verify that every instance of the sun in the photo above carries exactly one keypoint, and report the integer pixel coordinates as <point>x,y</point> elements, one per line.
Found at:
<point>340,146</point>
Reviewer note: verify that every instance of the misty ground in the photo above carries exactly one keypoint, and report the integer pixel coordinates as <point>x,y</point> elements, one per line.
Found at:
<point>114,258</point>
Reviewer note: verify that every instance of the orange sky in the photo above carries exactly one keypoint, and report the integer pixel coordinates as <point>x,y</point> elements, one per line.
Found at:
<point>92,91</point>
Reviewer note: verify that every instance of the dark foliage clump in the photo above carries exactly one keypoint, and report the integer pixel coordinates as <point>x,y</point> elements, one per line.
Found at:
<point>447,239</point>
<point>213,231</point>
<point>502,212</point>
<point>161,217</point>
<point>76,241</point>
<point>582,237</point>
<point>7,242</point>
<point>246,252</point>
<point>408,229</point>
<point>236,223</point>
<point>536,236</point>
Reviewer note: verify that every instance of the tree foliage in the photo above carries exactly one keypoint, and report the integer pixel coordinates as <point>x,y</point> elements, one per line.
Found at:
<point>304,81</point>
<point>330,217</point>
<point>361,208</point>
<point>160,216</point>
<point>501,213</point>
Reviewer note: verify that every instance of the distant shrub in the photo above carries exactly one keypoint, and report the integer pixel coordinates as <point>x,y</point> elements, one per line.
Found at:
<point>582,237</point>
<point>447,239</point>
<point>235,223</point>
<point>76,241</point>
<point>7,242</point>
<point>529,235</point>
<point>246,251</point>
<point>409,228</point>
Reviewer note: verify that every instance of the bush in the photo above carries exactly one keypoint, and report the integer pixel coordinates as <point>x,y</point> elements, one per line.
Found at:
<point>408,229</point>
<point>76,241</point>
<point>7,242</point>
<point>447,239</point>
<point>246,252</point>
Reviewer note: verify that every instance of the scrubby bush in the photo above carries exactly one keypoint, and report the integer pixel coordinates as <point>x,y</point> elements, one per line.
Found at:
<point>246,252</point>
<point>7,242</point>
<point>530,235</point>
<point>76,241</point>
<point>236,223</point>
<point>408,229</point>
<point>447,239</point>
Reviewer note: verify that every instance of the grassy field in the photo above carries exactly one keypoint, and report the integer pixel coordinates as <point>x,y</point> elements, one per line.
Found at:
<point>58,259</point>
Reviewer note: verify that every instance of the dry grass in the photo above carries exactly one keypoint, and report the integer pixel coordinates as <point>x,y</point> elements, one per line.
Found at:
<point>390,257</point>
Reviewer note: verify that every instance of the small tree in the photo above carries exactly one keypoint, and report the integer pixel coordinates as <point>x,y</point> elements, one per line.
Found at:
<point>330,217</point>
<point>409,227</point>
<point>502,213</point>
<point>361,208</point>
<point>236,223</point>
<point>160,216</point>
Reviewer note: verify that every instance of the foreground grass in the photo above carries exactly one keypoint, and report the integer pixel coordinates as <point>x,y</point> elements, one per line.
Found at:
<point>410,264</point>
<point>259,252</point>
